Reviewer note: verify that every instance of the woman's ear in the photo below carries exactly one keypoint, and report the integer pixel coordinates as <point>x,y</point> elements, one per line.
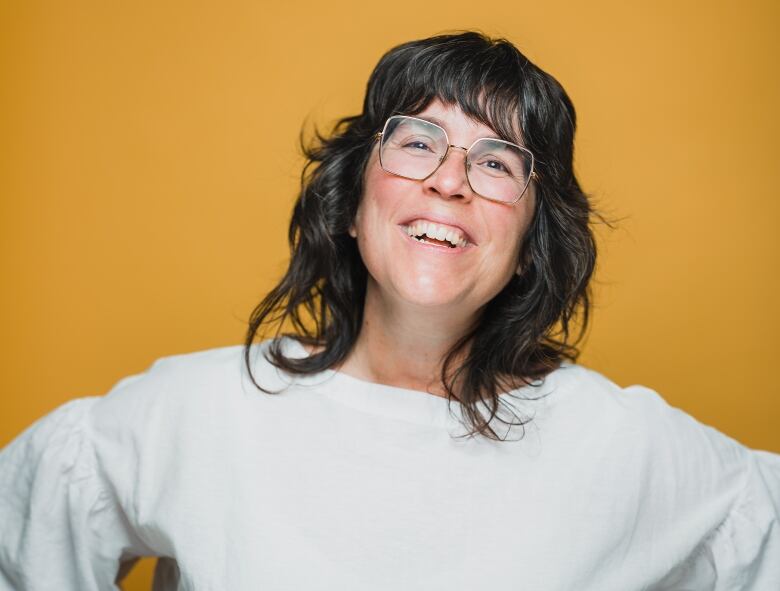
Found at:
<point>525,261</point>
<point>354,224</point>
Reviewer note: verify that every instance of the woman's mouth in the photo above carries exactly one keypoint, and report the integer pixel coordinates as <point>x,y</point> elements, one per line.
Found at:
<point>435,234</point>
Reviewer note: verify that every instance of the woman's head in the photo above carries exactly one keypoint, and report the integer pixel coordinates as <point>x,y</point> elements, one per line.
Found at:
<point>452,278</point>
<point>480,86</point>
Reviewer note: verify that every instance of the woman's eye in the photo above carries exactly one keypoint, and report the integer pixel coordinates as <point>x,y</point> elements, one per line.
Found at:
<point>417,145</point>
<point>495,165</point>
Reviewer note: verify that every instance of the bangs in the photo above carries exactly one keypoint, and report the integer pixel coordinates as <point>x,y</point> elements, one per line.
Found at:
<point>484,79</point>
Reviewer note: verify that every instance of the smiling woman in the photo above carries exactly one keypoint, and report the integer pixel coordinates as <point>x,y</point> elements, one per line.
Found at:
<point>424,425</point>
<point>465,323</point>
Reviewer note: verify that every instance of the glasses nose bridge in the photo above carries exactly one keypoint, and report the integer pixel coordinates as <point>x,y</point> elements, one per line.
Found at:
<point>464,168</point>
<point>447,153</point>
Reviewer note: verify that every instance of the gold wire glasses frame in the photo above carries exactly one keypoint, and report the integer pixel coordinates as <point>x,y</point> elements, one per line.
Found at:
<point>382,136</point>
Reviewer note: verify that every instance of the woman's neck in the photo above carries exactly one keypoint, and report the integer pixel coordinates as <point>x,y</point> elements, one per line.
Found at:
<point>403,346</point>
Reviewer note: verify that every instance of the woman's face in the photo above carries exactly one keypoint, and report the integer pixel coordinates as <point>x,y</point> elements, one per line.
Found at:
<point>404,270</point>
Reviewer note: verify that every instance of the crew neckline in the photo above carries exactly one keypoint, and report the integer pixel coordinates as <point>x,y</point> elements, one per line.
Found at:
<point>416,406</point>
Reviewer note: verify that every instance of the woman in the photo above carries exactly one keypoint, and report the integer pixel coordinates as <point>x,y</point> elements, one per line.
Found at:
<point>440,253</point>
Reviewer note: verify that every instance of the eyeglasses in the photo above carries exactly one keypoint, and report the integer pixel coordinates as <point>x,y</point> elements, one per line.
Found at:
<point>413,148</point>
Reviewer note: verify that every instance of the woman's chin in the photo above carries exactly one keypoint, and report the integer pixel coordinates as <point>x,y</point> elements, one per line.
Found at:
<point>430,297</point>
<point>417,289</point>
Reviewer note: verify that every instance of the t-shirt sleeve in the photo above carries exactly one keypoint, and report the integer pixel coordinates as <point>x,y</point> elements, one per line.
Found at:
<point>744,551</point>
<point>724,505</point>
<point>61,526</point>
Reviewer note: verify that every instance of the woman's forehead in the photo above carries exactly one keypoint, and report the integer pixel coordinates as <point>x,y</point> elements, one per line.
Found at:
<point>447,116</point>
<point>451,116</point>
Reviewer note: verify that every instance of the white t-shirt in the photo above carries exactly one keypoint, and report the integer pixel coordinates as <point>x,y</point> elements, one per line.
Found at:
<point>338,483</point>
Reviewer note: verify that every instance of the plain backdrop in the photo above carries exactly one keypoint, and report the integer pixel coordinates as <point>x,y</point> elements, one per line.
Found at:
<point>150,162</point>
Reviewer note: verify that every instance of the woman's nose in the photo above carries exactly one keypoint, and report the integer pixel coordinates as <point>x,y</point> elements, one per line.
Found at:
<point>450,178</point>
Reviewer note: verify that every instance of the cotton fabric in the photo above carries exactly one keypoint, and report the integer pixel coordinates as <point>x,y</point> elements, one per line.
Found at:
<point>338,483</point>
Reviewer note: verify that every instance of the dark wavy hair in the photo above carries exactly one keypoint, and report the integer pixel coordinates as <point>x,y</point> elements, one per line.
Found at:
<point>539,317</point>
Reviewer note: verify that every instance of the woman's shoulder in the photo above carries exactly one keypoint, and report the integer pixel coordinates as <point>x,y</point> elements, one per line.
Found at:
<point>182,375</point>
<point>189,372</point>
<point>213,380</point>
<point>639,420</point>
<point>646,429</point>
<point>591,392</point>
<point>180,407</point>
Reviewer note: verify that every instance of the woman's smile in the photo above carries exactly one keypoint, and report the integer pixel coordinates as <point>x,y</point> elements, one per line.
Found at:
<point>441,236</point>
<point>431,244</point>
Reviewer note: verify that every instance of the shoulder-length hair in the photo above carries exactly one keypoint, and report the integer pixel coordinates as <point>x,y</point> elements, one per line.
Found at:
<point>536,321</point>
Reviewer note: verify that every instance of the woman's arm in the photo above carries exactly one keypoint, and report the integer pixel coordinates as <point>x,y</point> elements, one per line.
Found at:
<point>63,524</point>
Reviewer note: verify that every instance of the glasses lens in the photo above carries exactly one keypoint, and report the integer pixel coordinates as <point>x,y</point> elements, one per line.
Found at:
<point>499,170</point>
<point>411,148</point>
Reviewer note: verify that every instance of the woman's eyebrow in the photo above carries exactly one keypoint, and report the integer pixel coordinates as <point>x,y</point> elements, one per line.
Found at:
<point>432,119</point>
<point>440,123</point>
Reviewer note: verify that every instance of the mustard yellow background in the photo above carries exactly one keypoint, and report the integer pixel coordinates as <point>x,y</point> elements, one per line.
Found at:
<point>150,161</point>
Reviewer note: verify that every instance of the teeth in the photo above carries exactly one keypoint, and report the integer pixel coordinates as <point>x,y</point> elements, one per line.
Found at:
<point>418,228</point>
